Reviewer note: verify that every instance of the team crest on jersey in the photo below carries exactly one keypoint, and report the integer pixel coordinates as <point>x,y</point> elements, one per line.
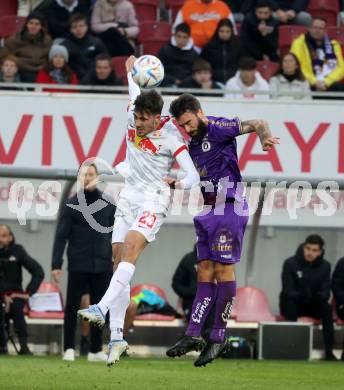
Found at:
<point>142,143</point>
<point>222,243</point>
<point>206,146</point>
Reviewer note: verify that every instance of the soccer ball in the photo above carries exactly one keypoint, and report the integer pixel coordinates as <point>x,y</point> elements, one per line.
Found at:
<point>148,71</point>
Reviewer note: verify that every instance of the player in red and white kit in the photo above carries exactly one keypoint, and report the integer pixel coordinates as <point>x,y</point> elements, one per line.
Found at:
<point>153,144</point>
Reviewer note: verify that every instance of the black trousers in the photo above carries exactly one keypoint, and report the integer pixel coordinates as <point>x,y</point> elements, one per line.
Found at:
<point>291,309</point>
<point>79,284</point>
<point>16,313</point>
<point>116,43</point>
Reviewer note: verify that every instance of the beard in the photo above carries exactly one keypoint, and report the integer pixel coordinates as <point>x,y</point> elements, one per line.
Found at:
<point>202,130</point>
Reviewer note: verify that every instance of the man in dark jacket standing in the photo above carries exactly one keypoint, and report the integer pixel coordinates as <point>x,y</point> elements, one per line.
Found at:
<point>82,46</point>
<point>13,258</point>
<point>89,258</point>
<point>259,33</point>
<point>184,281</point>
<point>178,56</point>
<point>338,291</point>
<point>306,288</point>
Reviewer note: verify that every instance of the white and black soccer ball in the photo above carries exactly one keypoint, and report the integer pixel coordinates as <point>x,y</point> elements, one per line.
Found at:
<point>148,71</point>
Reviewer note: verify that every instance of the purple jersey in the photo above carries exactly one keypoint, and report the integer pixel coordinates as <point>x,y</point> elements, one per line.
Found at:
<point>215,157</point>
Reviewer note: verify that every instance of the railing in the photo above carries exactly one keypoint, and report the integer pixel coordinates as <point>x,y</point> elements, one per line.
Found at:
<point>19,87</point>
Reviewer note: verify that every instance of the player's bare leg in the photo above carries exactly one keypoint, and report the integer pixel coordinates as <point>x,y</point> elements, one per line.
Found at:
<point>202,304</point>
<point>226,290</point>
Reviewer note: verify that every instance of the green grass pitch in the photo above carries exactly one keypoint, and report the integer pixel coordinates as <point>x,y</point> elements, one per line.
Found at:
<point>50,373</point>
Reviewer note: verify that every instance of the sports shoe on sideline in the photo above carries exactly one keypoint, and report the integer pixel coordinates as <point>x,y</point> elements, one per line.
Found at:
<point>116,349</point>
<point>93,314</point>
<point>210,352</point>
<point>69,355</point>
<point>186,344</point>
<point>96,357</point>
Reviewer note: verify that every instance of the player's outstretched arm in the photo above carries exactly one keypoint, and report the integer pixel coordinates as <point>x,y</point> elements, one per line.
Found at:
<point>191,178</point>
<point>262,129</point>
<point>134,89</point>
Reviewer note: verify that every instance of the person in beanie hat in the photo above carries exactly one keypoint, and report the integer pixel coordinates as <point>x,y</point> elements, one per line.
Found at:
<point>57,71</point>
<point>30,46</point>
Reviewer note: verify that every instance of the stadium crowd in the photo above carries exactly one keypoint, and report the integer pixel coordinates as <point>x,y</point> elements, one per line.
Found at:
<point>275,47</point>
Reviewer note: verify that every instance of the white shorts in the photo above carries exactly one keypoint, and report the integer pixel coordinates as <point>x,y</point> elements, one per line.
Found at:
<point>133,216</point>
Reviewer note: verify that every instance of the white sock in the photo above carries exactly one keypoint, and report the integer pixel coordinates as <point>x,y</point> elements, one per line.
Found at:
<point>117,314</point>
<point>119,281</point>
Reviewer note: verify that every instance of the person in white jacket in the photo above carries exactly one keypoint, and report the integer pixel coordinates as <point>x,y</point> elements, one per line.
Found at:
<point>247,82</point>
<point>289,82</point>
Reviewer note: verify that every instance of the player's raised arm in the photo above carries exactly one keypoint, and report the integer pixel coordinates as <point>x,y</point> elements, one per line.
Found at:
<point>262,129</point>
<point>134,89</point>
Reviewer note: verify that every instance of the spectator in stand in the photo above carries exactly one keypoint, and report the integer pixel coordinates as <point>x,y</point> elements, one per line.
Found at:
<point>306,288</point>
<point>223,52</point>
<point>248,81</point>
<point>259,33</point>
<point>203,16</point>
<point>58,12</point>
<point>292,12</point>
<point>338,291</point>
<point>202,77</point>
<point>240,8</point>
<point>289,80</point>
<point>89,258</point>
<point>116,24</point>
<point>320,57</point>
<point>57,71</point>
<point>9,70</point>
<point>178,56</point>
<point>14,259</point>
<point>30,46</point>
<point>82,47</point>
<point>102,74</point>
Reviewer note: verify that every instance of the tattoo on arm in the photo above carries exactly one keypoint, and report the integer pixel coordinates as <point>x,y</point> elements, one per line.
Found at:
<point>256,126</point>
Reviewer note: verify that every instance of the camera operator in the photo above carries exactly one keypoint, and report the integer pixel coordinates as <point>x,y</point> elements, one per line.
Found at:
<point>13,258</point>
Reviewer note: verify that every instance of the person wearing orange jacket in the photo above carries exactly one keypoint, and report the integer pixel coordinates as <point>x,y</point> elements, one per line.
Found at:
<point>203,17</point>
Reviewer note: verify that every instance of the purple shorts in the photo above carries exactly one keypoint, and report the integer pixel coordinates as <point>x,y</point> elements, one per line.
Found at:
<point>220,237</point>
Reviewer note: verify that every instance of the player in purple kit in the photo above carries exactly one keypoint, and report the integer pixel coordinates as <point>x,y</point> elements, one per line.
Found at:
<point>221,228</point>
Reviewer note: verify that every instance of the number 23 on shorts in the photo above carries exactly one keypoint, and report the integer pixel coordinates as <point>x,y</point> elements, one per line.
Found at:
<point>147,219</point>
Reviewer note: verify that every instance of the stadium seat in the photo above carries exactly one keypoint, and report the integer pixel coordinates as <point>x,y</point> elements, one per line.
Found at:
<point>173,6</point>
<point>336,33</point>
<point>118,64</point>
<point>251,305</point>
<point>287,34</point>
<point>151,287</point>
<point>47,287</point>
<point>10,24</point>
<point>8,7</point>
<point>267,68</point>
<point>151,316</point>
<point>153,35</point>
<point>147,9</point>
<point>327,9</point>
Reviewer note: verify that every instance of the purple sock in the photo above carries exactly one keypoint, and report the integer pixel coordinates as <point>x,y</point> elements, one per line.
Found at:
<point>226,292</point>
<point>203,302</point>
